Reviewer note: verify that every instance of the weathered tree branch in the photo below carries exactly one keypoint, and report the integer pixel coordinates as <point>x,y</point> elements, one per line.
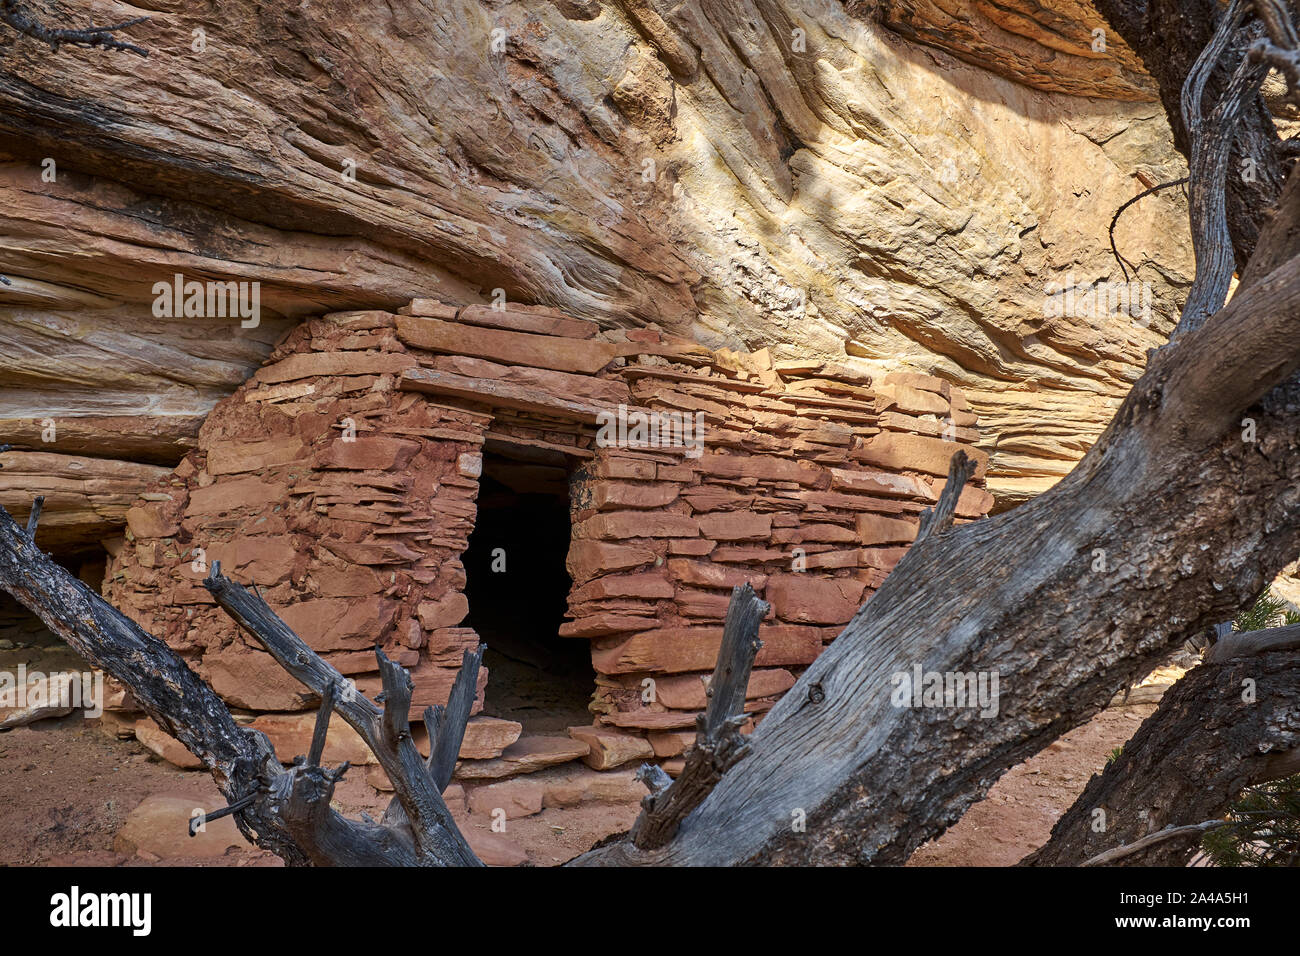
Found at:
<point>1124,264</point>
<point>285,811</point>
<point>35,516</point>
<point>939,519</point>
<point>1197,830</point>
<point>1282,48</point>
<point>446,726</point>
<point>719,744</point>
<point>168,691</point>
<point>1170,36</point>
<point>424,816</point>
<point>1212,142</point>
<point>16,14</point>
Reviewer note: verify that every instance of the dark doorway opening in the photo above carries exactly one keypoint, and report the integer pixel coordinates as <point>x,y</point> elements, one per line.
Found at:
<point>518,588</point>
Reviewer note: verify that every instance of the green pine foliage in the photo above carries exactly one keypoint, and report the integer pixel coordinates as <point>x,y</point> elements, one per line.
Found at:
<point>1269,611</point>
<point>1263,827</point>
<point>1264,822</point>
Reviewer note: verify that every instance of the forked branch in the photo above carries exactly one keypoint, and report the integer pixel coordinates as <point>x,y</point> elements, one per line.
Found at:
<point>283,810</point>
<point>387,732</point>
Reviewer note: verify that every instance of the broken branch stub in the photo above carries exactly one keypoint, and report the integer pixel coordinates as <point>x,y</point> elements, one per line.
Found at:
<point>719,744</point>
<point>939,519</point>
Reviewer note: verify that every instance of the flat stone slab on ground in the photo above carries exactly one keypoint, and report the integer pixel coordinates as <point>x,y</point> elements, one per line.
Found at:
<point>523,756</point>
<point>160,825</point>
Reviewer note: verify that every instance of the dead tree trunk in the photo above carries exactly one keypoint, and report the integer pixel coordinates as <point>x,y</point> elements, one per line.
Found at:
<point>1232,722</point>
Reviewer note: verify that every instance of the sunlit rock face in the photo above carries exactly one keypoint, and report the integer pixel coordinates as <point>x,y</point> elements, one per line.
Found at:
<point>901,184</point>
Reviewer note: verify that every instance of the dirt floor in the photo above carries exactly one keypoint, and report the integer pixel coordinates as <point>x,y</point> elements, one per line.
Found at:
<point>68,786</point>
<point>1018,814</point>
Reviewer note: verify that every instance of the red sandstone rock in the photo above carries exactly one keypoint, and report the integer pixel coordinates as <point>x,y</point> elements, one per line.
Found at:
<point>876,529</point>
<point>917,453</point>
<point>686,691</point>
<point>610,748</point>
<point>574,784</point>
<point>585,387</point>
<point>758,466</point>
<point>331,624</point>
<point>494,849</point>
<point>263,560</point>
<point>233,457</point>
<point>317,364</point>
<point>523,756</point>
<point>371,552</point>
<point>430,685</point>
<point>804,599</point>
<point>519,797</point>
<point>650,585</point>
<point>290,735</point>
<point>147,521</point>
<point>587,558</point>
<point>635,524</point>
<point>345,582</point>
<point>447,611</point>
<point>165,745</point>
<point>512,348</point>
<point>735,526</point>
<point>917,380</point>
<point>606,622</point>
<point>884,559</point>
<point>373,452</point>
<point>678,649</point>
<point>430,307</point>
<point>619,466</point>
<point>609,495</point>
<point>670,743</point>
<point>709,575</point>
<point>251,494</point>
<point>159,825</point>
<point>910,400</point>
<point>485,737</point>
<point>816,533</point>
<point>710,605</point>
<point>253,680</point>
<point>880,483</point>
<point>522,318</point>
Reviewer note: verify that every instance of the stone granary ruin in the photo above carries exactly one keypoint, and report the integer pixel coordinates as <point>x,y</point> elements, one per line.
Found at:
<point>443,476</point>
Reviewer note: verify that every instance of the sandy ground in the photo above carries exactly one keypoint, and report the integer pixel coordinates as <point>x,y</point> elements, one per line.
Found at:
<point>67,785</point>
<point>1018,814</point>
<point>66,788</point>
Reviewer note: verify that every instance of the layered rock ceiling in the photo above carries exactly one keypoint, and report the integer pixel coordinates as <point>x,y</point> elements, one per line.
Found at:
<point>892,184</point>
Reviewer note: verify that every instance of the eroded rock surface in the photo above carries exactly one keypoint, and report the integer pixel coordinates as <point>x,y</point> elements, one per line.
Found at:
<point>779,173</point>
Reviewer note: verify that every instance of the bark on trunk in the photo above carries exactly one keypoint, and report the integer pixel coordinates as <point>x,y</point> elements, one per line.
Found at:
<point>1230,723</point>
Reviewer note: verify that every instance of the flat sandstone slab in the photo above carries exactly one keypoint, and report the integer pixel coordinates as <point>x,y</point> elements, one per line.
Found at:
<point>523,756</point>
